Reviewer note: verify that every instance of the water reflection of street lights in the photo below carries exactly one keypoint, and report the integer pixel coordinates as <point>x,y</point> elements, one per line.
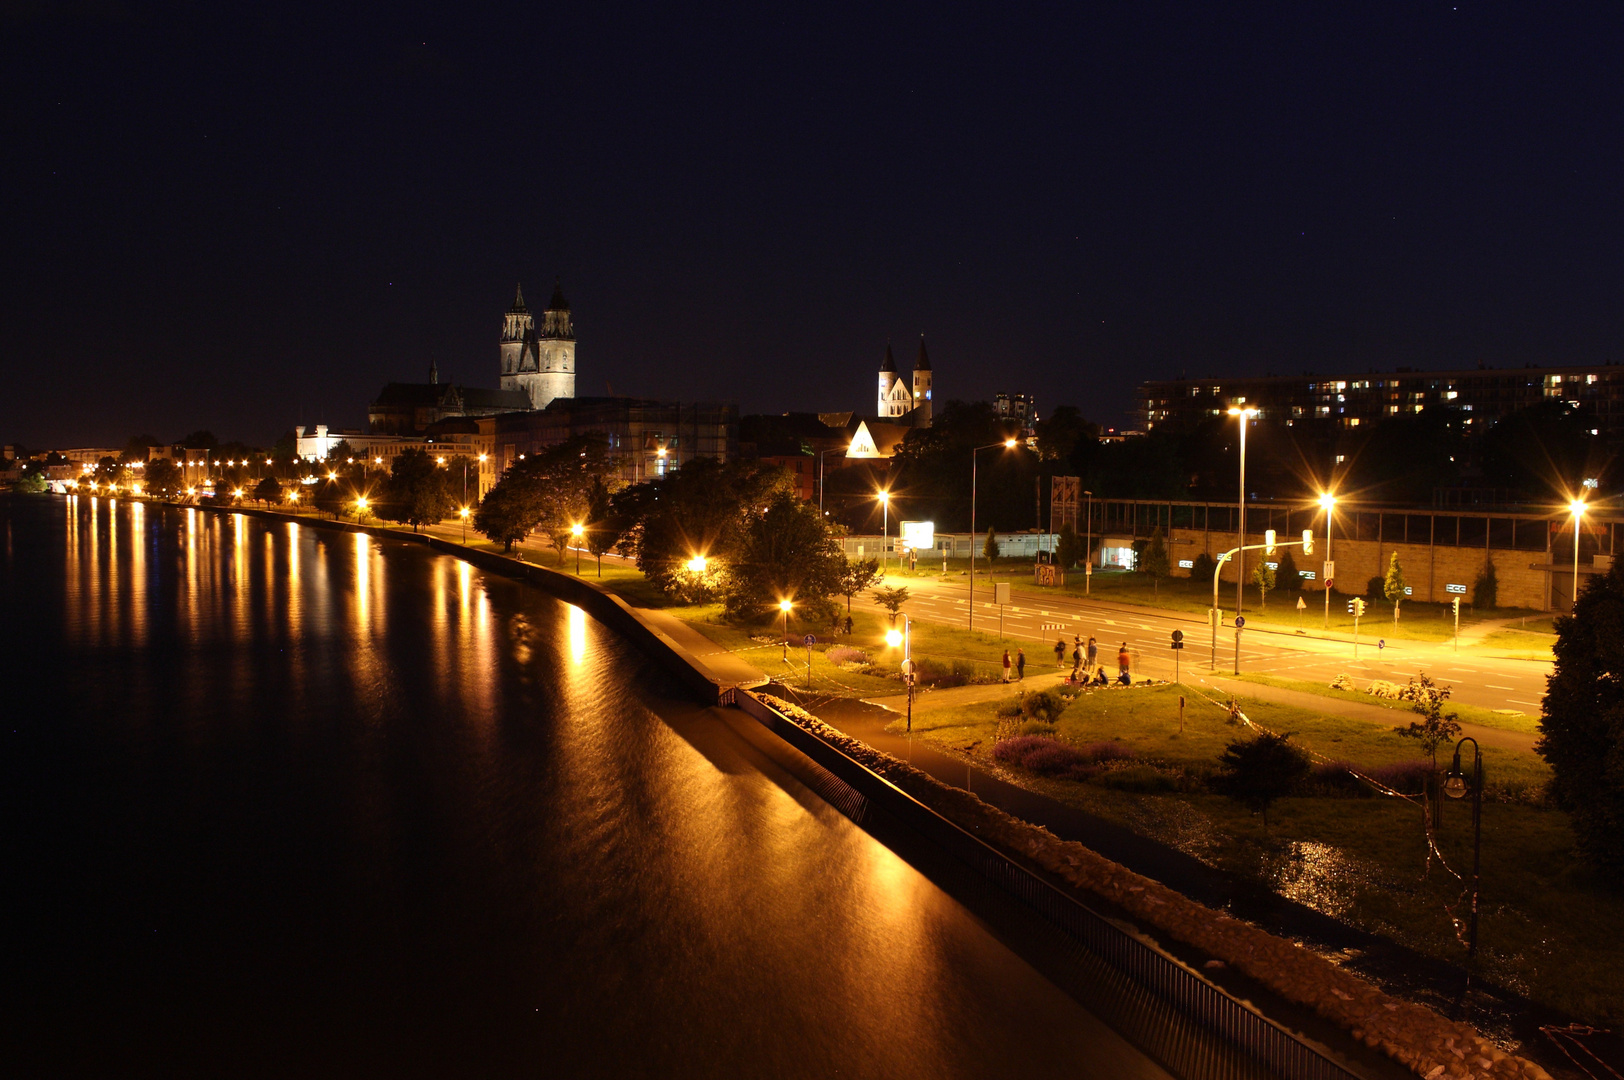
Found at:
<point>784,606</point>
<point>1577,508</point>
<point>1240,531</point>
<point>576,530</point>
<point>1456,784</point>
<point>1328,501</point>
<point>1007,444</point>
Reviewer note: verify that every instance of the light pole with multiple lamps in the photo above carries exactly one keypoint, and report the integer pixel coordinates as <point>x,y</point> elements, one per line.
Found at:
<point>1456,783</point>
<point>1007,444</point>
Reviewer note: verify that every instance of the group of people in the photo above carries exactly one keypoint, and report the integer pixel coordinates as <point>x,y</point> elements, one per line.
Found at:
<point>1085,667</point>
<point>1086,670</point>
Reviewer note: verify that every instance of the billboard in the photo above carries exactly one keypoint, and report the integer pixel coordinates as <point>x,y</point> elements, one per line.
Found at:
<point>919,535</point>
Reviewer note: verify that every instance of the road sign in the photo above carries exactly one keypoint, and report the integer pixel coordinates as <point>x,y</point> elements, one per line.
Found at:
<point>1178,635</point>
<point>1328,571</point>
<point>1301,604</point>
<point>811,640</point>
<point>1240,621</point>
<point>1381,643</point>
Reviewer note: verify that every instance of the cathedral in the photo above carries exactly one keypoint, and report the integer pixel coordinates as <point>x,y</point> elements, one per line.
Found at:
<point>539,362</point>
<point>899,402</point>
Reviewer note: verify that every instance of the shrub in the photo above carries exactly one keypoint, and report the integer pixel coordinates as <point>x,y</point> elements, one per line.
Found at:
<point>1044,706</point>
<point>1008,708</point>
<point>943,673</point>
<point>1336,778</point>
<point>1044,755</point>
<point>1409,777</point>
<point>1035,727</point>
<point>1376,588</point>
<point>845,654</point>
<point>1259,770</point>
<point>1202,567</point>
<point>1146,779</point>
<point>1107,751</point>
<point>1486,589</point>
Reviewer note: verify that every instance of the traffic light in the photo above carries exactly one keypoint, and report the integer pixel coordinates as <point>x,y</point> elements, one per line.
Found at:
<point>1268,541</point>
<point>1356,607</point>
<point>1308,541</point>
<point>1455,603</point>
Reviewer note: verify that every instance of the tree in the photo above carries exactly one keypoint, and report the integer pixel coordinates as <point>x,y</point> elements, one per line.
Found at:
<point>417,492</point>
<point>1258,771</point>
<point>330,497</point>
<point>990,549</point>
<point>604,527</point>
<point>1582,722</point>
<point>1059,434</point>
<point>1069,547</point>
<point>163,478</point>
<point>855,576</point>
<point>1202,567</point>
<point>1289,579</point>
<point>1155,561</point>
<point>31,482</point>
<point>268,490</point>
<point>1393,585</point>
<point>506,514</point>
<point>1486,590</point>
<point>891,598</point>
<point>786,553</point>
<point>706,508</point>
<point>1263,578</point>
<point>136,448</point>
<point>1434,728</point>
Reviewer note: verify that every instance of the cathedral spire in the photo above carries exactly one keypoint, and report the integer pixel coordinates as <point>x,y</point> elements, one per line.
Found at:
<point>434,373</point>
<point>890,363</point>
<point>558,303</point>
<point>922,361</point>
<point>518,300</point>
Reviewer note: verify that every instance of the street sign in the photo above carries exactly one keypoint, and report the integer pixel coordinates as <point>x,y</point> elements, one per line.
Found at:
<point>1381,643</point>
<point>1178,635</point>
<point>811,640</point>
<point>1329,571</point>
<point>1240,621</point>
<point>1301,604</point>
<point>1000,592</point>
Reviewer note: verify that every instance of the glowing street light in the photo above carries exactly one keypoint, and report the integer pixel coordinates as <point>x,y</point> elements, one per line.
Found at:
<point>1245,414</point>
<point>697,564</point>
<point>463,513</point>
<point>885,529</point>
<point>784,606</point>
<point>1577,508</point>
<point>1328,501</point>
<point>576,530</point>
<point>1007,444</point>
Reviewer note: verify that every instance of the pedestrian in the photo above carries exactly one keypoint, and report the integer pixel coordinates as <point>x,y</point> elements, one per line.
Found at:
<point>848,626</point>
<point>1020,663</point>
<point>1006,665</point>
<point>1059,652</point>
<point>1123,660</point>
<point>1093,653</point>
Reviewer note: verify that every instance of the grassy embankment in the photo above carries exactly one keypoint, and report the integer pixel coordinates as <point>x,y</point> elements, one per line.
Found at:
<point>1506,720</point>
<point>1546,920</point>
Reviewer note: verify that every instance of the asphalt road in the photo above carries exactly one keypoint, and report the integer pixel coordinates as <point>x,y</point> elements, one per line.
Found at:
<point>1476,677</point>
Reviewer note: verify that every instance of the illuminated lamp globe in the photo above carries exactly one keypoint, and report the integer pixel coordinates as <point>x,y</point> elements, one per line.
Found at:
<point>893,637</point>
<point>1455,786</point>
<point>784,605</point>
<point>1009,444</point>
<point>697,564</point>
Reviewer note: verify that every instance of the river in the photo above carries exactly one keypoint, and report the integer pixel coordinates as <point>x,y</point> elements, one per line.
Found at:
<point>286,801</point>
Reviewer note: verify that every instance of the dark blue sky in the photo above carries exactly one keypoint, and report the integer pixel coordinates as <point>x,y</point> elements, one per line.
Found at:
<point>224,217</point>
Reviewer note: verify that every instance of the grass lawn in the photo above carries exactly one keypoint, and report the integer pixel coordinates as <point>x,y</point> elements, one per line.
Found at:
<point>1546,922</point>
<point>1472,714</point>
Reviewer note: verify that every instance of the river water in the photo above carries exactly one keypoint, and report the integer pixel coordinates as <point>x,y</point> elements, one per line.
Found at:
<point>281,801</point>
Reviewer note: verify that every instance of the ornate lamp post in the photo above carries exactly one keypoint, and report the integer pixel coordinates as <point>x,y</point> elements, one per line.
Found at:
<point>1456,784</point>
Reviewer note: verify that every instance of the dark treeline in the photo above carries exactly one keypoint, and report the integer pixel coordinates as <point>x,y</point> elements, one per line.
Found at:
<point>1537,457</point>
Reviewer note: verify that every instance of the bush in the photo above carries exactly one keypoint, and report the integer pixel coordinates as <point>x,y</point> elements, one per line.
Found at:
<point>1035,727</point>
<point>1044,755</point>
<point>1408,777</point>
<point>1486,590</point>
<point>1202,567</point>
<point>1044,706</point>
<point>1107,751</point>
<point>1259,770</point>
<point>845,654</point>
<point>942,673</point>
<point>1145,779</point>
<point>1376,588</point>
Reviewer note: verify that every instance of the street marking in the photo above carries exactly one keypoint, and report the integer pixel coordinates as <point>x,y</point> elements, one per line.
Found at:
<point>1514,701</point>
<point>1491,686</point>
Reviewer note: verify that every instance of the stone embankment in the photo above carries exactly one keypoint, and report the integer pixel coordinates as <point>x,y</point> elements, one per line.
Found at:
<point>1430,1045</point>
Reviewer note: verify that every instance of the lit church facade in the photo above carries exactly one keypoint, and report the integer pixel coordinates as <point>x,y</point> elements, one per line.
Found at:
<point>899,402</point>
<point>541,362</point>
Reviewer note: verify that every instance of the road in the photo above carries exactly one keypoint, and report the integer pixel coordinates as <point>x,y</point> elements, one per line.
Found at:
<point>1491,682</point>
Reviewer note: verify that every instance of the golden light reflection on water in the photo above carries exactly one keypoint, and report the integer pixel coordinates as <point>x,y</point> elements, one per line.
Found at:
<point>363,583</point>
<point>577,635</point>
<point>239,573</point>
<point>136,623</point>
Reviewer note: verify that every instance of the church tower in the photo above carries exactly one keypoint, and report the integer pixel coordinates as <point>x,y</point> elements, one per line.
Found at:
<point>894,399</point>
<point>921,386</point>
<point>541,363</point>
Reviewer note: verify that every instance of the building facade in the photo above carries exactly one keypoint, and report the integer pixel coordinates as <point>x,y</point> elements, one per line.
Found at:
<point>1481,395</point>
<point>648,438</point>
<point>539,361</point>
<point>899,400</point>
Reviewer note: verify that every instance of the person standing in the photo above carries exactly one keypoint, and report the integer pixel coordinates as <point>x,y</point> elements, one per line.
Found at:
<point>1006,665</point>
<point>1093,653</point>
<point>1059,652</point>
<point>1020,664</point>
<point>1123,660</point>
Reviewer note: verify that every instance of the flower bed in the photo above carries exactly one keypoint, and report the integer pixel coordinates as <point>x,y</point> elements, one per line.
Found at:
<point>1425,1042</point>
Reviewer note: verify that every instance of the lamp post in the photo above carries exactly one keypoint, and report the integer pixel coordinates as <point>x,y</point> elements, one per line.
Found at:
<point>784,606</point>
<point>1577,506</point>
<point>893,638</point>
<point>576,530</point>
<point>1455,785</point>
<point>1088,548</point>
<point>885,531</point>
<point>1240,532</point>
<point>1007,444</point>
<point>1328,501</point>
<point>463,513</point>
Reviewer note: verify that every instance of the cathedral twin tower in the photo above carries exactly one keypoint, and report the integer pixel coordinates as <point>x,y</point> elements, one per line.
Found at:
<point>897,400</point>
<point>539,362</point>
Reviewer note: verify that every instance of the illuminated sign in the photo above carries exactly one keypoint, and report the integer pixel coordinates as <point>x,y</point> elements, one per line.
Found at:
<point>1186,564</point>
<point>1272,565</point>
<point>918,535</point>
<point>1307,575</point>
<point>1461,589</point>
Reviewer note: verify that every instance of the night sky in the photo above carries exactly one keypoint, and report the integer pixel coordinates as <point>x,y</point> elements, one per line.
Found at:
<point>243,217</point>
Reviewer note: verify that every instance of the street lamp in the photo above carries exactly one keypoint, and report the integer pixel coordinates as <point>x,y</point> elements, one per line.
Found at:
<point>1240,532</point>
<point>784,606</point>
<point>576,531</point>
<point>1456,784</point>
<point>361,507</point>
<point>1328,501</point>
<point>697,564</point>
<point>885,530</point>
<point>893,638</point>
<point>1088,549</point>
<point>1007,444</point>
<point>463,513</point>
<point>1577,506</point>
